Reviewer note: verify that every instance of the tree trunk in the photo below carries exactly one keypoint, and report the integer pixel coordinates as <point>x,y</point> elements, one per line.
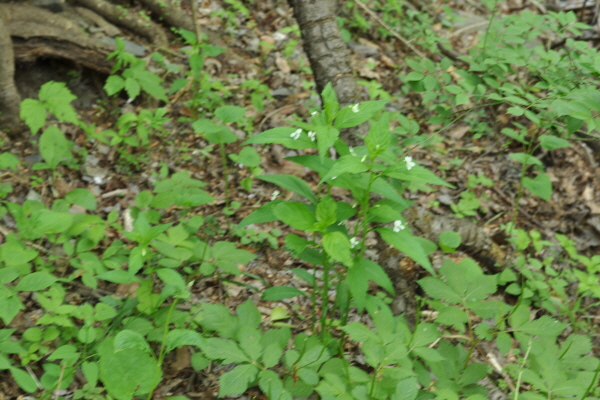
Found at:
<point>328,54</point>
<point>9,97</point>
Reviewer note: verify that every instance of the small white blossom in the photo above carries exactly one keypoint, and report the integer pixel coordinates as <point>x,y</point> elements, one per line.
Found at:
<point>312,114</point>
<point>355,108</point>
<point>333,177</point>
<point>399,226</point>
<point>354,242</point>
<point>409,162</point>
<point>312,135</point>
<point>352,151</point>
<point>274,195</point>
<point>296,134</point>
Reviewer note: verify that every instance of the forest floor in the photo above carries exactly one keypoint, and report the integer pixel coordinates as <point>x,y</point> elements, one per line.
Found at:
<point>474,164</point>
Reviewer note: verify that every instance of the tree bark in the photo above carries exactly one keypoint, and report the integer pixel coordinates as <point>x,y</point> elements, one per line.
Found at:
<point>328,54</point>
<point>9,97</point>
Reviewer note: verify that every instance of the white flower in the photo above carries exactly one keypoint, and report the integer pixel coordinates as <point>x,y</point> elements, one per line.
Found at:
<point>296,134</point>
<point>352,151</point>
<point>409,162</point>
<point>355,108</point>
<point>312,114</point>
<point>399,226</point>
<point>353,242</point>
<point>333,177</point>
<point>274,195</point>
<point>312,135</point>
<point>363,158</point>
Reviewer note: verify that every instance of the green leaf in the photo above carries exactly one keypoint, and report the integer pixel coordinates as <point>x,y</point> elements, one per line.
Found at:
<point>14,254</point>
<point>216,317</point>
<point>326,212</point>
<point>406,389</point>
<point>57,98</point>
<point>35,281</point>
<point>326,137</point>
<point>221,136</point>
<point>151,84</point>
<point>544,326</point>
<point>330,102</point>
<point>8,160</point>
<point>284,136</point>
<point>261,215</point>
<point>337,245</point>
<point>359,332</point>
<point>248,157</point>
<point>414,76</point>
<point>54,146</point>
<point>449,241</point>
<point>227,114</point>
<point>128,339</point>
<point>227,257</point>
<point>226,350</point>
<point>415,174</point>
<point>291,183</point>
<point>437,289</point>
<point>295,215</point>
<point>248,314</point>
<point>345,164</point>
<point>356,114</point>
<point>33,113</point>
<point>405,242</point>
<point>118,276</point>
<point>127,372</point>
<point>114,84</point>
<point>526,159</point>
<point>278,293</point>
<point>183,337</point>
<point>236,381</point>
<point>83,198</point>
<point>540,185</point>
<point>172,277</point>
<point>550,142</point>
<point>24,380</point>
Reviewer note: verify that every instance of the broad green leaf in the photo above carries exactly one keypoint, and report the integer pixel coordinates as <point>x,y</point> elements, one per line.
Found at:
<point>183,337</point>
<point>437,289</point>
<point>378,139</point>
<point>550,142</point>
<point>345,164</point>
<point>35,281</point>
<point>544,326</point>
<point>236,381</point>
<point>8,160</point>
<point>227,257</point>
<point>222,136</point>
<point>14,254</point>
<point>128,339</point>
<point>57,98</point>
<point>278,293</point>
<point>291,183</point>
<point>406,389</point>
<point>330,103</point>
<point>227,114</point>
<point>261,215</point>
<point>24,380</point>
<point>216,317</point>
<point>83,198</point>
<point>118,276</point>
<point>359,332</point>
<point>295,215</point>
<point>449,241</point>
<point>248,314</point>
<point>356,114</point>
<point>33,113</point>
<point>540,186</point>
<point>326,212</point>
<point>326,137</point>
<point>172,277</point>
<point>415,174</point>
<point>337,245</point>
<point>127,372</point>
<point>405,242</point>
<point>284,136</point>
<point>222,349</point>
<point>114,84</point>
<point>54,146</point>
<point>525,159</point>
<point>377,274</point>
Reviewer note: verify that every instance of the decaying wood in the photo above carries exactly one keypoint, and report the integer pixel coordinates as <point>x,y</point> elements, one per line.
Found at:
<point>40,33</point>
<point>9,97</point>
<point>126,18</point>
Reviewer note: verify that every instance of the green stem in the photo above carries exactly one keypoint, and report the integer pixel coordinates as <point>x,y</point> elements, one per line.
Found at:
<point>325,298</point>
<point>225,173</point>
<point>163,350</point>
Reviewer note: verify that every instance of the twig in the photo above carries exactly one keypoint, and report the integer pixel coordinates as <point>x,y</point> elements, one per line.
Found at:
<point>389,28</point>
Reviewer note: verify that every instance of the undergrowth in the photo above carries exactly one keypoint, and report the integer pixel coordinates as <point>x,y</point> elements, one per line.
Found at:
<point>474,341</point>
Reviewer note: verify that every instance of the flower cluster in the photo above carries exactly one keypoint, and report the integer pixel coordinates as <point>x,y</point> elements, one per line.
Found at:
<point>296,134</point>
<point>399,226</point>
<point>409,162</point>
